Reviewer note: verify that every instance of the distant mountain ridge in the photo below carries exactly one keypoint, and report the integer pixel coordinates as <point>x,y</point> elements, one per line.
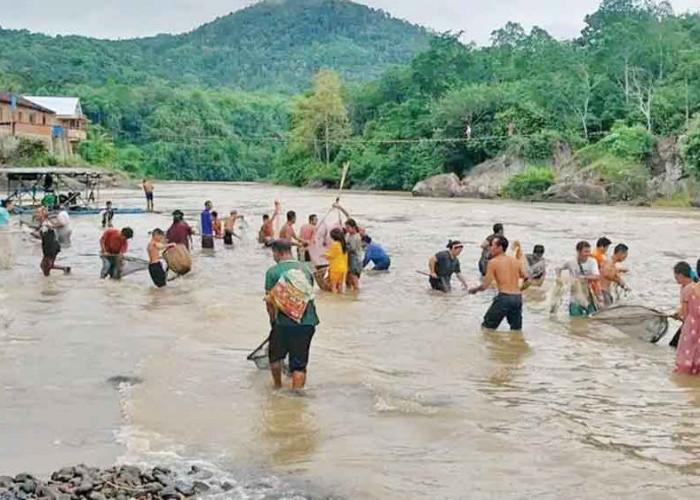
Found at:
<point>272,45</point>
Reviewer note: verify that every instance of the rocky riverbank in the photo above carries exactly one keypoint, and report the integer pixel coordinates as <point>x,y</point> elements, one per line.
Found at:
<point>575,180</point>
<point>119,483</point>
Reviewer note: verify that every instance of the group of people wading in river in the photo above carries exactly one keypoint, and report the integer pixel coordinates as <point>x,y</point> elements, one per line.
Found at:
<point>594,274</point>
<point>332,254</point>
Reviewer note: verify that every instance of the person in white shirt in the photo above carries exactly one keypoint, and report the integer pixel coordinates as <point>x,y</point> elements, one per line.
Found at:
<point>63,228</point>
<point>585,286</point>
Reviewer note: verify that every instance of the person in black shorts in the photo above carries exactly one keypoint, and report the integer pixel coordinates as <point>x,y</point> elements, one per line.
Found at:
<point>506,271</point>
<point>289,337</point>
<point>155,266</point>
<point>443,265</point>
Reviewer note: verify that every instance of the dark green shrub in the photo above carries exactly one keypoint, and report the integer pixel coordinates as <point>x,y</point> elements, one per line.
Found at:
<point>531,183</point>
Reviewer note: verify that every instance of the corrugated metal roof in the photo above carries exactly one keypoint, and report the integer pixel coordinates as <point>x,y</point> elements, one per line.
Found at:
<point>49,170</point>
<point>6,97</point>
<point>62,106</point>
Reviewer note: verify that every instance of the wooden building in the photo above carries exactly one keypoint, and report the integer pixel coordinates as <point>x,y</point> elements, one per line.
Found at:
<point>70,124</point>
<point>20,117</point>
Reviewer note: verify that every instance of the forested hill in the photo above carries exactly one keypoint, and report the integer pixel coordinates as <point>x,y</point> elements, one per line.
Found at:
<point>273,45</point>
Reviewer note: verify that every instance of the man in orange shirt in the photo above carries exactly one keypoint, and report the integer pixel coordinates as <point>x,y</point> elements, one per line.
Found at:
<point>601,251</point>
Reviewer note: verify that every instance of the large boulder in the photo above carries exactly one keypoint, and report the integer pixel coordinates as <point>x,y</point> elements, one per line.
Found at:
<point>666,168</point>
<point>487,179</point>
<point>577,192</point>
<point>439,186</point>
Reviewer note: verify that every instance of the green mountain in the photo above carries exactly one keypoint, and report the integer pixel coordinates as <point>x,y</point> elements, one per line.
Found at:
<point>273,45</point>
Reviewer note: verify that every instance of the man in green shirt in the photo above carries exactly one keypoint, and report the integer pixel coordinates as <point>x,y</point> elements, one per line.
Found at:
<point>289,336</point>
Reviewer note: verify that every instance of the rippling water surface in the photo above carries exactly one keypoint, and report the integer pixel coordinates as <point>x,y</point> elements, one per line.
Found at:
<point>407,398</point>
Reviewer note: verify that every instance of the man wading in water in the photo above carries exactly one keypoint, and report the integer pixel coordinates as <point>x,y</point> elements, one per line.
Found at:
<point>506,271</point>
<point>207,226</point>
<point>293,321</point>
<point>486,247</point>
<point>148,191</point>
<point>443,265</point>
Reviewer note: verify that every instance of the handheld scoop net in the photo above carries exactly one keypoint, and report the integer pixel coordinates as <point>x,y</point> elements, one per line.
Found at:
<point>133,265</point>
<point>260,356</point>
<point>640,322</point>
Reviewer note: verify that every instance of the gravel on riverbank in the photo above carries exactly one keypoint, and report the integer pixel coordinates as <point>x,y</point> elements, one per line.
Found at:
<point>119,483</point>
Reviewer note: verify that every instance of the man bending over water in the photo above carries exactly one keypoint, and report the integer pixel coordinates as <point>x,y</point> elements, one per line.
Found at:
<point>506,271</point>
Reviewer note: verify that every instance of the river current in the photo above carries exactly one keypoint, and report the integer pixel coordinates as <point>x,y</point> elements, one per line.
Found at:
<point>406,397</point>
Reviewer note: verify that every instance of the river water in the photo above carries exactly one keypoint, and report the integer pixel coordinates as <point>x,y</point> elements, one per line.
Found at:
<point>406,398</point>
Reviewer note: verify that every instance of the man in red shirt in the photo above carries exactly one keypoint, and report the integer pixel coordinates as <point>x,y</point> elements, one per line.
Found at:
<point>113,246</point>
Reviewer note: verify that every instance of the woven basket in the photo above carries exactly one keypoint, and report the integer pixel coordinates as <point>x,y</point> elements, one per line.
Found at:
<point>178,259</point>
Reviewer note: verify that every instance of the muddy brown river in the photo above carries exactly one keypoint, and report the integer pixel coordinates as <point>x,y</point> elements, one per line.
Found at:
<point>406,398</point>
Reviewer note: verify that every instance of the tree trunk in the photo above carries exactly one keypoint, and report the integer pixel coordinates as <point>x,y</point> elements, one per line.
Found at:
<point>627,80</point>
<point>328,151</point>
<point>687,104</point>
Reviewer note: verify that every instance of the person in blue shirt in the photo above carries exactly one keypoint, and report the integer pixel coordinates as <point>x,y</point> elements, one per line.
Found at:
<point>376,254</point>
<point>5,210</point>
<point>206,226</point>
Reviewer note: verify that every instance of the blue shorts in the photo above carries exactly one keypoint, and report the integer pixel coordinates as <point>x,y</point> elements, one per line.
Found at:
<point>149,196</point>
<point>382,265</point>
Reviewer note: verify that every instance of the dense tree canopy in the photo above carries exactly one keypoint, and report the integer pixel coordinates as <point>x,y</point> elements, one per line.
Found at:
<point>273,45</point>
<point>632,76</point>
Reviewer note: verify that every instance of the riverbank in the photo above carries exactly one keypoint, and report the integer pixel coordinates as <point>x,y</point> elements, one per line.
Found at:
<point>124,482</point>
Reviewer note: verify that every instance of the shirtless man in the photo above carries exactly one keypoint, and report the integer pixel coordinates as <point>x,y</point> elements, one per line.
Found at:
<point>229,228</point>
<point>154,248</point>
<point>506,271</point>
<point>611,273</point>
<point>307,233</point>
<point>288,233</point>
<point>148,191</point>
<point>267,231</point>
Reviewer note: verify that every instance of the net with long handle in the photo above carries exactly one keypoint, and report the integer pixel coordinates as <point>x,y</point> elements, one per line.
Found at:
<point>636,321</point>
<point>260,356</point>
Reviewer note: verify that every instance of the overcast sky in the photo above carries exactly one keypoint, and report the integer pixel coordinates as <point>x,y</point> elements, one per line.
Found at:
<point>135,18</point>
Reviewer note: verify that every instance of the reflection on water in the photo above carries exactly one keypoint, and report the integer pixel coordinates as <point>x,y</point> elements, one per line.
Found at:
<point>507,352</point>
<point>288,428</point>
<point>407,398</point>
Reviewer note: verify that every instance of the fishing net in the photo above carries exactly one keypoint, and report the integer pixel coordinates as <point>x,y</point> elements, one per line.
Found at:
<point>133,265</point>
<point>261,358</point>
<point>178,259</point>
<point>9,245</point>
<point>322,237</point>
<point>636,321</point>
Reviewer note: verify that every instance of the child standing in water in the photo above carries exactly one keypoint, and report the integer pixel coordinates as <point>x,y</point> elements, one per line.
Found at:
<point>337,256</point>
<point>155,267</point>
